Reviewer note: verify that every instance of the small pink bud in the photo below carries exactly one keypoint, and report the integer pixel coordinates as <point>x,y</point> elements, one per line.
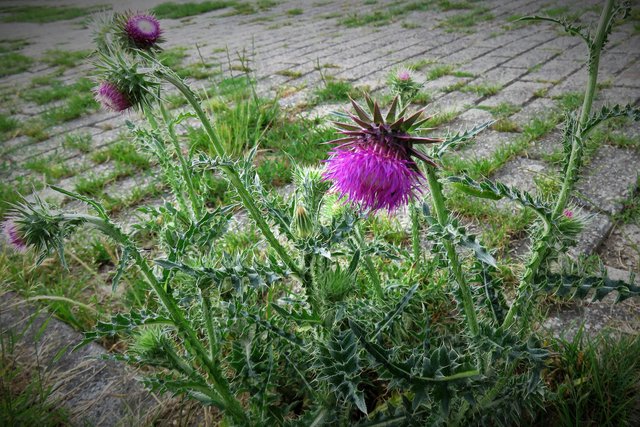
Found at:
<point>568,213</point>
<point>404,75</point>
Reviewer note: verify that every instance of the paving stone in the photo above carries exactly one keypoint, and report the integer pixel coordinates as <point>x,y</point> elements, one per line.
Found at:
<point>94,391</point>
<point>555,70</point>
<point>595,232</point>
<point>622,248</point>
<point>615,95</point>
<point>545,146</point>
<point>485,145</point>
<point>444,82</point>
<point>522,173</point>
<point>533,57</point>
<point>483,64</point>
<point>517,93</point>
<point>539,108</point>
<point>503,76</point>
<point>470,118</point>
<point>594,317</point>
<point>630,76</point>
<point>609,179</point>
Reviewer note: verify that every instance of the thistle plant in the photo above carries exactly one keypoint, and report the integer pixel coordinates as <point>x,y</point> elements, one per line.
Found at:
<point>330,324</point>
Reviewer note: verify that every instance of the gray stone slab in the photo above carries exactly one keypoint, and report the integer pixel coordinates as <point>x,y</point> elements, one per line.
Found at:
<point>95,391</point>
<point>485,145</point>
<point>517,93</point>
<point>597,227</point>
<point>522,173</point>
<point>630,76</point>
<point>502,75</point>
<point>608,179</point>
<point>531,58</point>
<point>545,146</point>
<point>471,117</point>
<point>555,70</point>
<point>539,108</point>
<point>622,247</point>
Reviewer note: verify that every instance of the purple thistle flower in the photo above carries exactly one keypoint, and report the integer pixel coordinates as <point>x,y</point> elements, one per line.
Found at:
<point>111,97</point>
<point>143,30</point>
<point>373,175</point>
<point>13,236</point>
<point>373,166</point>
<point>568,213</point>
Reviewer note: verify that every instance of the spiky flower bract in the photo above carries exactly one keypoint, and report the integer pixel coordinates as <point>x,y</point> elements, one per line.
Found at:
<point>125,82</point>
<point>373,165</point>
<point>142,30</point>
<point>111,97</point>
<point>13,235</point>
<point>35,225</point>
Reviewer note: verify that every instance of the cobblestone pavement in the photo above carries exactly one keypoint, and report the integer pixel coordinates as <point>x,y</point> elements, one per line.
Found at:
<point>527,67</point>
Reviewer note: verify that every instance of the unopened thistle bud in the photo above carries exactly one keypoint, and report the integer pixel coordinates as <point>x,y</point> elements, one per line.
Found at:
<point>125,82</point>
<point>403,84</point>
<point>302,224</point>
<point>111,97</point>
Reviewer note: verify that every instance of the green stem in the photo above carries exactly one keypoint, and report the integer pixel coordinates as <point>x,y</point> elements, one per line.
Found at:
<point>415,232</point>
<point>310,286</point>
<point>541,248</point>
<point>206,313</point>
<point>196,204</point>
<point>442,216</point>
<point>368,264</point>
<point>576,146</point>
<point>234,178</point>
<point>163,158</point>
<point>191,340</point>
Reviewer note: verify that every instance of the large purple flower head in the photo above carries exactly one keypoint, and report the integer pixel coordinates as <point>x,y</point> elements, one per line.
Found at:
<point>142,30</point>
<point>111,97</point>
<point>13,235</point>
<point>373,165</point>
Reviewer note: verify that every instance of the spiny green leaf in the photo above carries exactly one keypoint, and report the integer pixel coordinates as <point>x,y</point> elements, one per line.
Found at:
<point>460,137</point>
<point>397,311</point>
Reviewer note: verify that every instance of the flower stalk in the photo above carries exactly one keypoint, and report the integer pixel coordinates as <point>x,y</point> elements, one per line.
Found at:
<point>233,177</point>
<point>541,248</point>
<point>196,204</point>
<point>368,264</point>
<point>442,215</point>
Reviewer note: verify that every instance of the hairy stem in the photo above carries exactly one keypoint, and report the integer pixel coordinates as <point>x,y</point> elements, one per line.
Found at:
<point>208,321</point>
<point>196,203</point>
<point>368,264</point>
<point>442,216</point>
<point>234,177</point>
<point>415,232</point>
<point>541,247</point>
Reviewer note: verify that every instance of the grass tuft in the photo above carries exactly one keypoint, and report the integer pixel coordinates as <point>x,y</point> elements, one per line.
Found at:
<point>171,10</point>
<point>14,63</point>
<point>44,14</point>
